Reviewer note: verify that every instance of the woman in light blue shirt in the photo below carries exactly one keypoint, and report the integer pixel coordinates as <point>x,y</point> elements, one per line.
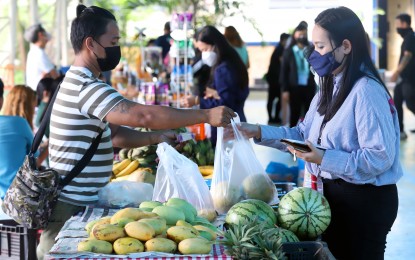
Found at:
<point>235,40</point>
<point>354,119</point>
<point>16,134</point>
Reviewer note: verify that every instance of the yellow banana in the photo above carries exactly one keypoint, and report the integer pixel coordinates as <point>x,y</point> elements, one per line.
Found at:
<point>129,169</point>
<point>206,170</point>
<point>116,169</point>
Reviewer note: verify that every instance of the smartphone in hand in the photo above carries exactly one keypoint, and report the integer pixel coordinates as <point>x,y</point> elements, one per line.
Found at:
<point>299,145</point>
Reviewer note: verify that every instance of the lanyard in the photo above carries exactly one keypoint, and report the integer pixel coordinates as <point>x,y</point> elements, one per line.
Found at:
<point>323,125</point>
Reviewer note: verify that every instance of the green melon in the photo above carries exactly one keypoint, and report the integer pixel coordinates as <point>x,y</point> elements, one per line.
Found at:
<point>305,212</point>
<point>287,236</point>
<point>259,186</point>
<point>249,210</point>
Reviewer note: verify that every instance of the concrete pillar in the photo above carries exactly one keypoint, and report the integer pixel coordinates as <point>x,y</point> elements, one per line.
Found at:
<point>13,28</point>
<point>34,14</point>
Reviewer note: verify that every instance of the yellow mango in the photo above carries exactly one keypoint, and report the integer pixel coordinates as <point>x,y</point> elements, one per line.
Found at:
<point>161,245</point>
<point>141,231</point>
<point>126,245</point>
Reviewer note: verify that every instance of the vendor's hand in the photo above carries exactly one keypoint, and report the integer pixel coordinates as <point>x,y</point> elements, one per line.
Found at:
<point>315,156</point>
<point>188,101</point>
<point>211,93</point>
<point>394,76</point>
<point>220,116</point>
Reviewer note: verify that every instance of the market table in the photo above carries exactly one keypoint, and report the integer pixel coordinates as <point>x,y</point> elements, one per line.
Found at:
<point>74,231</point>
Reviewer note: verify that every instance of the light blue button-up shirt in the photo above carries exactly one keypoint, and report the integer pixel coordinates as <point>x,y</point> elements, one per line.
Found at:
<point>362,139</point>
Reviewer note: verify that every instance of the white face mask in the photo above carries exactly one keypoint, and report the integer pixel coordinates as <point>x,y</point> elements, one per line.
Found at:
<point>209,58</point>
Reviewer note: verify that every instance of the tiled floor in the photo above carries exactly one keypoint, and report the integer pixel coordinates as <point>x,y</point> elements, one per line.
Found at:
<point>401,240</point>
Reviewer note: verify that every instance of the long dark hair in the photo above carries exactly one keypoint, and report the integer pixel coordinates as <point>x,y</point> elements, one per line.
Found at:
<point>342,23</point>
<point>225,52</point>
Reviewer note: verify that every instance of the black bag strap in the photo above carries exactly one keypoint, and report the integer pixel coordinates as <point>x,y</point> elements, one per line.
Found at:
<point>41,131</point>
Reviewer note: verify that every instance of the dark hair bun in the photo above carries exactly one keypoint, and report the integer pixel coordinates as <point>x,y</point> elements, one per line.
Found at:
<point>80,9</point>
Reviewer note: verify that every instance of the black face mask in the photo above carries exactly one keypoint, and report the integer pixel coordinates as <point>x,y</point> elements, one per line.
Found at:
<point>113,56</point>
<point>403,31</point>
<point>302,40</point>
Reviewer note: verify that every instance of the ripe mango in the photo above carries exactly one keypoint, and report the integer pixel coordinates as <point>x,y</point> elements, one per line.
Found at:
<point>126,245</point>
<point>90,225</point>
<point>179,233</point>
<point>133,213</point>
<point>170,214</point>
<point>141,231</point>
<point>185,224</point>
<point>195,246</point>
<point>121,222</point>
<point>158,224</point>
<point>108,232</point>
<point>95,246</point>
<point>209,214</point>
<point>161,245</point>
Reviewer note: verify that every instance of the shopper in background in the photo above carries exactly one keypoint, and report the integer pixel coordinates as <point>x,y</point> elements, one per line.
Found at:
<point>296,79</point>
<point>38,65</point>
<point>233,37</point>
<point>16,133</point>
<point>229,78</point>
<point>272,78</point>
<point>85,107</point>
<point>163,41</point>
<point>201,71</point>
<point>405,86</point>
<point>354,119</point>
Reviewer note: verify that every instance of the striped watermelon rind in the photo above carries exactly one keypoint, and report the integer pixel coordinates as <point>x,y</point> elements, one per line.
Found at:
<point>305,212</point>
<point>251,209</point>
<point>287,236</point>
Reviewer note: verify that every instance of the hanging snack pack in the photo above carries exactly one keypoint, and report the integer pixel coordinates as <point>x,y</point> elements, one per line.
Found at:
<point>238,174</point>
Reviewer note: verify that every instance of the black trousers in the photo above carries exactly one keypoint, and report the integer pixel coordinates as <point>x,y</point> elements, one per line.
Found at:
<point>404,91</point>
<point>300,100</point>
<point>362,216</point>
<point>274,91</point>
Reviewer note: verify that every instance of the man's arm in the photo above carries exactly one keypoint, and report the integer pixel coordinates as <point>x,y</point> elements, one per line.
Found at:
<point>129,113</point>
<point>124,137</point>
<point>407,56</point>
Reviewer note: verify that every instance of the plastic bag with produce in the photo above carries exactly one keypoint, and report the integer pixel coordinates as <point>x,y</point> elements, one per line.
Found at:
<point>179,177</point>
<point>237,173</point>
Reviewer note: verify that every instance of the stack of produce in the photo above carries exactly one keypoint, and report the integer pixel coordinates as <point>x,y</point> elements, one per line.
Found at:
<point>200,152</point>
<point>169,228</point>
<point>132,170</point>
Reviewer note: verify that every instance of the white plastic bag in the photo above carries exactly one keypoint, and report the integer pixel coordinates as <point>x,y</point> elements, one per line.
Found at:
<point>238,174</point>
<point>124,194</point>
<point>179,177</point>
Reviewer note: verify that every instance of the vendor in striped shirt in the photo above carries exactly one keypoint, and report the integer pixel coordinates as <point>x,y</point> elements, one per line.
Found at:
<point>85,106</point>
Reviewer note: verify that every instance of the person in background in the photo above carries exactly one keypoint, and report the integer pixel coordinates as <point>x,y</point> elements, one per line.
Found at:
<point>163,41</point>
<point>86,107</point>
<point>233,37</point>
<point>38,65</point>
<point>16,133</point>
<point>296,79</point>
<point>1,93</point>
<point>405,87</point>
<point>229,78</point>
<point>272,78</point>
<point>354,119</point>
<point>201,71</point>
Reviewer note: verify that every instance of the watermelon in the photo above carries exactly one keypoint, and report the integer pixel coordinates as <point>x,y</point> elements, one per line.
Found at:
<point>287,236</point>
<point>249,210</point>
<point>305,212</point>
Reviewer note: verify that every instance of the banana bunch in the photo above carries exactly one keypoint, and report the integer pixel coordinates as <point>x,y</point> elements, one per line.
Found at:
<point>124,168</point>
<point>146,156</point>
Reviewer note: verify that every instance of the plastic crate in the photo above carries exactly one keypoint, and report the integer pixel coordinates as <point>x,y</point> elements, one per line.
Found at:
<point>306,250</point>
<point>17,242</point>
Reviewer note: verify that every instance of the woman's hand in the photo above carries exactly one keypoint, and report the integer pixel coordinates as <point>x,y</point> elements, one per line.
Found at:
<point>248,130</point>
<point>188,101</point>
<point>211,93</point>
<point>315,156</point>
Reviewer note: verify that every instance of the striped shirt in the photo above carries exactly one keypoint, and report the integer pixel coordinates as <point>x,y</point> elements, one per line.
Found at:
<point>78,116</point>
<point>362,139</point>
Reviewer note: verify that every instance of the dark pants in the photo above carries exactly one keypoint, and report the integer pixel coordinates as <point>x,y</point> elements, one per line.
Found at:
<point>300,100</point>
<point>362,216</point>
<point>274,91</point>
<point>404,91</point>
